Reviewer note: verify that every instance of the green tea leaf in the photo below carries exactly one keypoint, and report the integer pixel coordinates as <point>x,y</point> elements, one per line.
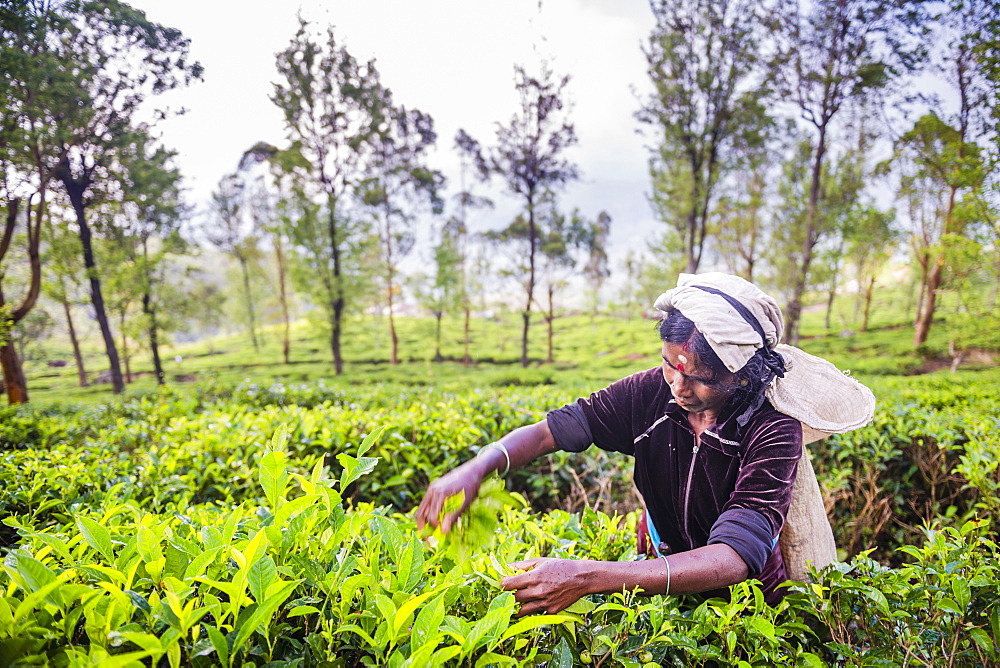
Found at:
<point>960,588</point>
<point>487,630</point>
<point>474,530</point>
<point>427,622</point>
<point>28,572</point>
<point>212,538</point>
<point>354,468</point>
<point>147,641</point>
<point>369,441</point>
<point>201,562</point>
<point>562,657</point>
<point>949,605</point>
<point>273,476</point>
<point>279,439</point>
<point>533,622</point>
<point>302,610</point>
<point>60,546</point>
<point>262,574</point>
<point>97,536</point>
<point>765,627</point>
<point>220,643</point>
<point>406,610</point>
<point>148,544</point>
<point>263,613</point>
<point>493,659</point>
<point>983,640</point>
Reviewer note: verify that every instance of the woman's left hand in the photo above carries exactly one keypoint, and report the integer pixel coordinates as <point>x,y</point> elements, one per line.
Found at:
<point>548,586</point>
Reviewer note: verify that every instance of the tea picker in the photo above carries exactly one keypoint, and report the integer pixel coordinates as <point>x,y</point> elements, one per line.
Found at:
<point>716,433</point>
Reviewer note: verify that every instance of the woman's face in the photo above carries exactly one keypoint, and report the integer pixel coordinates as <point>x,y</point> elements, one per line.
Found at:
<point>695,387</point>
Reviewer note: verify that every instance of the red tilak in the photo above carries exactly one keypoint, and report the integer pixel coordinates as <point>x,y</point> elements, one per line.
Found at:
<point>680,367</point>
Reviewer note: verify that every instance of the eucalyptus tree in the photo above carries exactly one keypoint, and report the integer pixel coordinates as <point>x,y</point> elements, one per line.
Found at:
<point>940,173</point>
<point>441,291</point>
<point>470,280</point>
<point>119,59</point>
<point>64,276</point>
<point>944,156</point>
<point>271,206</point>
<point>121,280</point>
<point>711,70</point>
<point>529,157</point>
<point>398,181</point>
<point>837,51</point>
<point>594,240</point>
<point>37,82</point>
<point>562,238</point>
<point>233,232</point>
<point>742,216</point>
<point>328,101</point>
<point>869,247</point>
<point>843,186</point>
<point>148,230</point>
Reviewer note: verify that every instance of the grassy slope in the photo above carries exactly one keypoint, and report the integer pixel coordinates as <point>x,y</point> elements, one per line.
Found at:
<point>591,351</point>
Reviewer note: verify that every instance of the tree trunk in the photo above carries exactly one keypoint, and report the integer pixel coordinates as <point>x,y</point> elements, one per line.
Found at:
<point>691,267</point>
<point>154,338</point>
<point>526,315</point>
<point>15,382</point>
<point>13,375</point>
<point>921,289</point>
<point>437,336</point>
<point>550,318</point>
<point>286,344</point>
<point>126,358</point>
<point>933,279</point>
<point>393,337</point>
<point>245,269</point>
<point>338,317</point>
<point>75,192</point>
<point>926,315</point>
<point>830,296</point>
<point>390,276</point>
<point>466,358</point>
<point>77,354</point>
<point>869,293</point>
<point>338,290</point>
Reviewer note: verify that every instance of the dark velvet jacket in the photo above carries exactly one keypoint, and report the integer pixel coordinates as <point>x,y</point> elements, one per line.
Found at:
<point>735,488</point>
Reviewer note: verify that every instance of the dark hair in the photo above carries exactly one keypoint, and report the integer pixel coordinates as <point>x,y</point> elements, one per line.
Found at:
<point>679,330</point>
<point>747,385</point>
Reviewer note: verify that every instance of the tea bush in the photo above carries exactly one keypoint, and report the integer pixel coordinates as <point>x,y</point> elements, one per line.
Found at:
<point>931,454</point>
<point>175,529</point>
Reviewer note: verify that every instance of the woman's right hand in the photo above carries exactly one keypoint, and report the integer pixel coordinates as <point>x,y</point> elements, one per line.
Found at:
<point>466,478</point>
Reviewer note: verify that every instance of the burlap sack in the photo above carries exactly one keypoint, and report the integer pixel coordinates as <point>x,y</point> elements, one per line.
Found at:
<point>806,537</point>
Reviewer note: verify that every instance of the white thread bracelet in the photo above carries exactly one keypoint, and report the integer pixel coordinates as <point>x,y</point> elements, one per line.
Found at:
<point>498,445</point>
<point>667,562</point>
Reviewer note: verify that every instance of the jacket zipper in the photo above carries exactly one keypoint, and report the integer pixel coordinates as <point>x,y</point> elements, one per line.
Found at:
<point>687,492</point>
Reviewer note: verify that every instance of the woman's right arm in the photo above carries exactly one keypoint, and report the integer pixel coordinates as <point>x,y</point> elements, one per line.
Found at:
<point>524,445</point>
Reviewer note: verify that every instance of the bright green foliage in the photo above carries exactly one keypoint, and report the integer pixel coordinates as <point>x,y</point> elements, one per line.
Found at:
<point>473,531</point>
<point>244,525</point>
<point>931,454</point>
<point>944,604</point>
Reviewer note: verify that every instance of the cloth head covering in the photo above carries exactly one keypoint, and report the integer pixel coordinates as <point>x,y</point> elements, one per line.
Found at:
<point>811,390</point>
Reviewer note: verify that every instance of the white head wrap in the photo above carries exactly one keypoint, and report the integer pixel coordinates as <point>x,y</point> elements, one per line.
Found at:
<point>732,338</point>
<point>813,391</point>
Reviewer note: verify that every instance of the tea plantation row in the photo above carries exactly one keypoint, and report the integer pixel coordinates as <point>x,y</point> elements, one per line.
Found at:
<point>185,529</point>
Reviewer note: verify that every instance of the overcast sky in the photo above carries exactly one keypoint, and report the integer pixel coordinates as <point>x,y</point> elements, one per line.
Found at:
<point>453,59</point>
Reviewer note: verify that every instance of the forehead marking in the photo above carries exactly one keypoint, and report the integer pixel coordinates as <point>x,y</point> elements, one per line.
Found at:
<point>683,360</point>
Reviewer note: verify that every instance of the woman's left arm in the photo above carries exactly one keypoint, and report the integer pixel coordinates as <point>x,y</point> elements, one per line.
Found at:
<point>552,585</point>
